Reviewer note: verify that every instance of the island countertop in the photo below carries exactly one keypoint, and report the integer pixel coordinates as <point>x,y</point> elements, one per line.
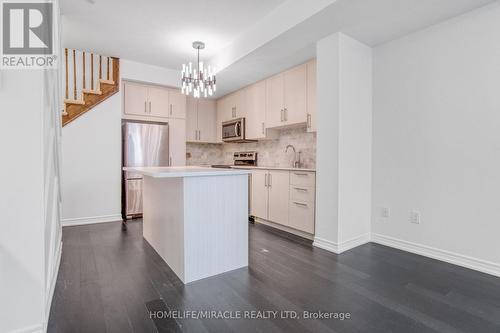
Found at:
<point>184,171</point>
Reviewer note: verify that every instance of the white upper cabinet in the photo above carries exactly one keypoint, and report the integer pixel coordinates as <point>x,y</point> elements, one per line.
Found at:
<point>149,102</point>
<point>295,92</point>
<point>191,119</point>
<point>275,101</point>
<point>201,119</point>
<point>136,99</point>
<point>311,96</point>
<point>207,116</point>
<point>287,98</point>
<point>256,111</point>
<point>158,104</point>
<point>177,104</point>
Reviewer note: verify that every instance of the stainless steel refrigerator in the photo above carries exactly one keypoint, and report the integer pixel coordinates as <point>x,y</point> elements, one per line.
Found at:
<point>144,144</point>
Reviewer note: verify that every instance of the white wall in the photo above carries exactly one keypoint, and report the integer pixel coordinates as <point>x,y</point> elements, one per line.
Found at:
<point>355,140</point>
<point>91,150</point>
<point>436,141</point>
<point>328,108</point>
<point>30,239</point>
<point>343,194</point>
<point>21,241</point>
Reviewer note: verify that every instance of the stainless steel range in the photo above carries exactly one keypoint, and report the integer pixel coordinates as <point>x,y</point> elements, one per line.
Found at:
<point>244,158</point>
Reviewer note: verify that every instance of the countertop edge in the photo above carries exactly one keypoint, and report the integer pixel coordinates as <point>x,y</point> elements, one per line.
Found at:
<point>271,168</point>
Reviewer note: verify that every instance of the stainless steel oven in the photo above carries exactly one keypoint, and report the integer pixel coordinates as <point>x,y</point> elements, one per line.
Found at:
<point>234,130</point>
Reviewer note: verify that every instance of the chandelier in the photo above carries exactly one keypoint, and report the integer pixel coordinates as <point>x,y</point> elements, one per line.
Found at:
<point>198,81</point>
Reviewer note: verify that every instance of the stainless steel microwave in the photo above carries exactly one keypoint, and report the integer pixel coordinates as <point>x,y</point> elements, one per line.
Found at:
<point>234,130</point>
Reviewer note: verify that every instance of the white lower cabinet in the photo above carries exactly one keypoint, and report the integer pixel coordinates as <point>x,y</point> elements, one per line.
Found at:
<point>302,216</point>
<point>259,194</point>
<point>279,187</point>
<point>284,197</point>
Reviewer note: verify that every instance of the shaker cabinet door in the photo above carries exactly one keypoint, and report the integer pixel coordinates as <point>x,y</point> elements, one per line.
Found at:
<point>158,104</point>
<point>259,194</point>
<point>191,119</point>
<point>136,99</point>
<point>274,101</point>
<point>279,188</point>
<point>177,108</point>
<point>295,81</point>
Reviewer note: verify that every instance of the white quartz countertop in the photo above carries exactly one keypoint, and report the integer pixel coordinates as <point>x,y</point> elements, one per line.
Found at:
<point>187,171</point>
<point>272,168</point>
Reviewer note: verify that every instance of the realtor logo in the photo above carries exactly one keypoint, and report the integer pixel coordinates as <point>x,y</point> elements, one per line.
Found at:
<point>27,35</point>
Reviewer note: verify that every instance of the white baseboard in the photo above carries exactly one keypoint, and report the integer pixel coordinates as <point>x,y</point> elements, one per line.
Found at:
<point>443,255</point>
<point>91,220</point>
<point>30,329</point>
<point>284,228</point>
<point>342,247</point>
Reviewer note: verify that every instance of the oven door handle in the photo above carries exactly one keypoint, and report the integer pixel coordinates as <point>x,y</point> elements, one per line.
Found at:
<point>237,129</point>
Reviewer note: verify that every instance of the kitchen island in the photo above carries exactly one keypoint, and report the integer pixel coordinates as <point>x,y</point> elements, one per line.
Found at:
<point>196,218</point>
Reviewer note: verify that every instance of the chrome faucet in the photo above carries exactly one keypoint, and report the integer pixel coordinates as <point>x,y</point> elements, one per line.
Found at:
<point>296,162</point>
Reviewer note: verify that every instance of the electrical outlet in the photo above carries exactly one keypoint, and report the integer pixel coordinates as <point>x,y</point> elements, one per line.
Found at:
<point>385,212</point>
<point>414,217</point>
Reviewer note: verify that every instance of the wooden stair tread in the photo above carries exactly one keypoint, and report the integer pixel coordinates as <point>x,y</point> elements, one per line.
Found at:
<point>92,92</point>
<point>74,101</point>
<point>106,81</point>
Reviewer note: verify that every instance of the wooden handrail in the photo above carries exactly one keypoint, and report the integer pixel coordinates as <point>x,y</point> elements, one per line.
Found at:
<point>67,89</point>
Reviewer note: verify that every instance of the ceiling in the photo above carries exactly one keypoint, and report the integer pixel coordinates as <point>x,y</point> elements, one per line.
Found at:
<point>158,32</point>
<point>247,40</point>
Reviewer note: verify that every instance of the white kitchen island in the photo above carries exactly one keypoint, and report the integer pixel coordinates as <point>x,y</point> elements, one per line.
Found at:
<point>196,218</point>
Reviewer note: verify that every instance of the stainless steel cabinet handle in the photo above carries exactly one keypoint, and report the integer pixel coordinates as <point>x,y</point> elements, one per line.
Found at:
<point>145,107</point>
<point>300,189</point>
<point>150,107</point>
<point>285,111</point>
<point>270,180</point>
<point>265,180</point>
<point>281,115</point>
<point>300,174</point>
<point>170,161</point>
<point>300,204</point>
<point>199,134</point>
<point>263,128</point>
<point>171,109</point>
<point>308,120</point>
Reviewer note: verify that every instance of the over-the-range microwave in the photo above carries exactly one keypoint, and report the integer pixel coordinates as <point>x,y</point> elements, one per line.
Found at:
<point>234,131</point>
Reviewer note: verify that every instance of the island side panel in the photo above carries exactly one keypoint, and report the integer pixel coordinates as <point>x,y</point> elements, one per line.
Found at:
<point>163,220</point>
<point>215,225</point>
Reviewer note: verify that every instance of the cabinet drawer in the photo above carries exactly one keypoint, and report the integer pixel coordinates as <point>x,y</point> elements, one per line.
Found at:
<point>302,178</point>
<point>301,216</point>
<point>302,193</point>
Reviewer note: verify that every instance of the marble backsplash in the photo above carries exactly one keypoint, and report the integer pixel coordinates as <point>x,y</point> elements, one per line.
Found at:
<point>269,152</point>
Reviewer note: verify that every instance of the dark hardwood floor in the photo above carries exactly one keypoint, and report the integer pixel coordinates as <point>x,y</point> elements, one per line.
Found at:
<point>111,278</point>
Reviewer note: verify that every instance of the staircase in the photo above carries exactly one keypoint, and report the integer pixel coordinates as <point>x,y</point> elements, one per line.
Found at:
<point>91,79</point>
